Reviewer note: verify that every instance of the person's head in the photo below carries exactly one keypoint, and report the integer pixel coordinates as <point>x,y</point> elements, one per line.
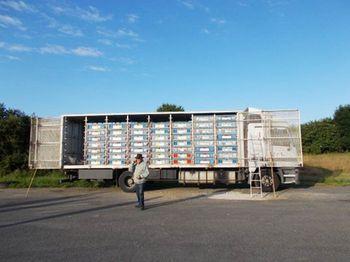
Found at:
<point>139,158</point>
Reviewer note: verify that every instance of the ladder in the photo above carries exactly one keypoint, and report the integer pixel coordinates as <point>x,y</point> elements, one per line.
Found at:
<point>255,183</point>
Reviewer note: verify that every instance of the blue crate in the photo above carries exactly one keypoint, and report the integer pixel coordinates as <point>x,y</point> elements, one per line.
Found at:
<point>204,155</point>
<point>182,131</point>
<point>117,125</point>
<point>204,161</point>
<point>222,118</point>
<point>181,143</point>
<point>227,149</point>
<point>227,137</point>
<point>204,149</point>
<point>227,161</point>
<point>98,126</point>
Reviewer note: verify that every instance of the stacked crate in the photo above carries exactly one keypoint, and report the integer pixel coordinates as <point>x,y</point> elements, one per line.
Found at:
<point>160,143</point>
<point>204,146</point>
<point>139,139</point>
<point>226,129</point>
<point>182,143</point>
<point>117,143</point>
<point>95,143</point>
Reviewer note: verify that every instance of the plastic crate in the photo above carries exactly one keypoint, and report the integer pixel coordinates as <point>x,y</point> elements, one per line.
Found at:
<point>227,137</point>
<point>138,132</point>
<point>204,161</point>
<point>160,137</point>
<point>182,155</point>
<point>139,144</point>
<point>181,137</point>
<point>204,137</point>
<point>116,150</point>
<point>116,144</point>
<point>160,149</point>
<point>227,161</point>
<point>227,155</point>
<point>204,155</point>
<point>226,124</point>
<point>95,151</point>
<point>204,125</point>
<point>160,125</point>
<point>96,126</point>
<point>204,149</point>
<point>227,143</point>
<point>160,155</point>
<point>95,162</point>
<point>225,118</point>
<point>203,118</point>
<point>160,131</point>
<point>138,150</point>
<point>136,125</point>
<point>116,156</point>
<point>96,133</point>
<point>182,150</point>
<point>95,157</point>
<point>116,132</point>
<point>121,125</point>
<point>204,143</point>
<point>227,149</point>
<point>182,131</point>
<point>96,139</point>
<point>223,131</point>
<point>182,143</point>
<point>160,161</point>
<point>95,145</point>
<point>182,124</point>
<point>182,162</point>
<point>117,138</point>
<point>160,143</point>
<point>116,162</point>
<point>139,138</point>
<point>203,131</point>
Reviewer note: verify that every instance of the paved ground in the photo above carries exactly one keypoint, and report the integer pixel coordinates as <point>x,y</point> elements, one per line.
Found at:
<point>180,224</point>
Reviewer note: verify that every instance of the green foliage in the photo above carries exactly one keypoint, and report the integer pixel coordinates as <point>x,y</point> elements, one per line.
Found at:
<point>320,136</point>
<point>14,139</point>
<point>170,108</point>
<point>342,122</point>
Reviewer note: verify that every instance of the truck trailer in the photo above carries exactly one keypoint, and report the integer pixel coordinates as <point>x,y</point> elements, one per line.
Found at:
<point>203,147</point>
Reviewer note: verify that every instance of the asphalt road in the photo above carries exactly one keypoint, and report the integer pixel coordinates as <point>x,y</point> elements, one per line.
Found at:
<point>180,224</point>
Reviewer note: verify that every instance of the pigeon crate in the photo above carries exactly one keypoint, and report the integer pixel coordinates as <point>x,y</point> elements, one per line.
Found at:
<point>182,143</point>
<point>203,118</point>
<point>160,131</point>
<point>119,132</point>
<point>203,131</point>
<point>96,126</point>
<point>227,149</point>
<point>204,149</point>
<point>160,143</point>
<point>227,161</point>
<point>160,161</point>
<point>160,155</point>
<point>182,155</point>
<point>227,155</point>
<point>116,150</point>
<point>204,125</point>
<point>204,137</point>
<point>224,131</point>
<point>204,143</point>
<point>95,145</point>
<point>182,137</point>
<point>185,131</point>
<point>117,162</point>
<point>117,156</point>
<point>160,125</point>
<point>160,137</point>
<point>226,124</point>
<point>160,149</point>
<point>182,161</point>
<point>117,138</point>
<point>116,144</point>
<point>95,157</point>
<point>96,139</point>
<point>139,144</point>
<point>138,132</point>
<point>96,133</point>
<point>134,125</point>
<point>138,150</point>
<point>95,162</point>
<point>227,137</point>
<point>95,150</point>
<point>116,126</point>
<point>182,150</point>
<point>139,138</point>
<point>201,161</point>
<point>227,143</point>
<point>182,125</point>
<point>222,118</point>
<point>204,155</point>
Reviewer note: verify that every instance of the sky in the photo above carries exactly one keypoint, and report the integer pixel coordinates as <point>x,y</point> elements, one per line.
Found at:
<point>60,57</point>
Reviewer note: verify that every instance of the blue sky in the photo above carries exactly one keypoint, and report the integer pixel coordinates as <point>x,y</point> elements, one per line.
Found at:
<point>61,57</point>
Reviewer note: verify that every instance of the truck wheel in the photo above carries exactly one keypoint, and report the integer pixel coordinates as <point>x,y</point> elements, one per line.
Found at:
<point>126,182</point>
<point>266,181</point>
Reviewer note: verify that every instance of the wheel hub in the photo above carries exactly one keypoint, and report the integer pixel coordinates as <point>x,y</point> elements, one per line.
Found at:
<point>266,181</point>
<point>129,182</point>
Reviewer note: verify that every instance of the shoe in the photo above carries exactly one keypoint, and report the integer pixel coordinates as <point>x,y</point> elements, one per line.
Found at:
<point>137,206</point>
<point>142,207</point>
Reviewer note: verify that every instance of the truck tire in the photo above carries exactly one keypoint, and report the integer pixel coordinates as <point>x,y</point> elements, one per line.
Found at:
<point>266,180</point>
<point>126,182</point>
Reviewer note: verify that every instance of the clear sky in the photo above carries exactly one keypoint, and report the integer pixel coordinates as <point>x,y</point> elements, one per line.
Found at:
<point>61,57</point>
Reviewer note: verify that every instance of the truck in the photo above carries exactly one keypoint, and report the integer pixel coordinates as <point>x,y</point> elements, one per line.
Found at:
<point>199,147</point>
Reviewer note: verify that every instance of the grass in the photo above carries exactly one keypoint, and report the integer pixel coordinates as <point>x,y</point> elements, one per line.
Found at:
<point>329,169</point>
<point>21,179</point>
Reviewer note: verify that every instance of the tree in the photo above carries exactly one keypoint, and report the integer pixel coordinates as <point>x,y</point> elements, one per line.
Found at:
<point>14,139</point>
<point>320,136</point>
<point>170,108</point>
<point>342,122</point>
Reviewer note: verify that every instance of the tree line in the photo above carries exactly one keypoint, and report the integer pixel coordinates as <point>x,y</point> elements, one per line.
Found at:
<point>320,136</point>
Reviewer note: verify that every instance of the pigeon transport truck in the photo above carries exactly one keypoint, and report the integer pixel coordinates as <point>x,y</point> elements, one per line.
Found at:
<point>205,147</point>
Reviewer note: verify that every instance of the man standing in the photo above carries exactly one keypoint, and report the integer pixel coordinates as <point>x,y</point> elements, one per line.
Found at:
<point>140,173</point>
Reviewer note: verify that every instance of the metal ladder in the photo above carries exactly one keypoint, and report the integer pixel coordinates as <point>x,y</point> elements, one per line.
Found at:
<point>255,178</point>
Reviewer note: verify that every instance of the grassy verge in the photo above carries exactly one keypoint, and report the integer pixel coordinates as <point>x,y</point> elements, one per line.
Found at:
<point>329,169</point>
<point>21,179</point>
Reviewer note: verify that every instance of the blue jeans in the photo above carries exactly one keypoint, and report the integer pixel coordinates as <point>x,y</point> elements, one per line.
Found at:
<point>139,188</point>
